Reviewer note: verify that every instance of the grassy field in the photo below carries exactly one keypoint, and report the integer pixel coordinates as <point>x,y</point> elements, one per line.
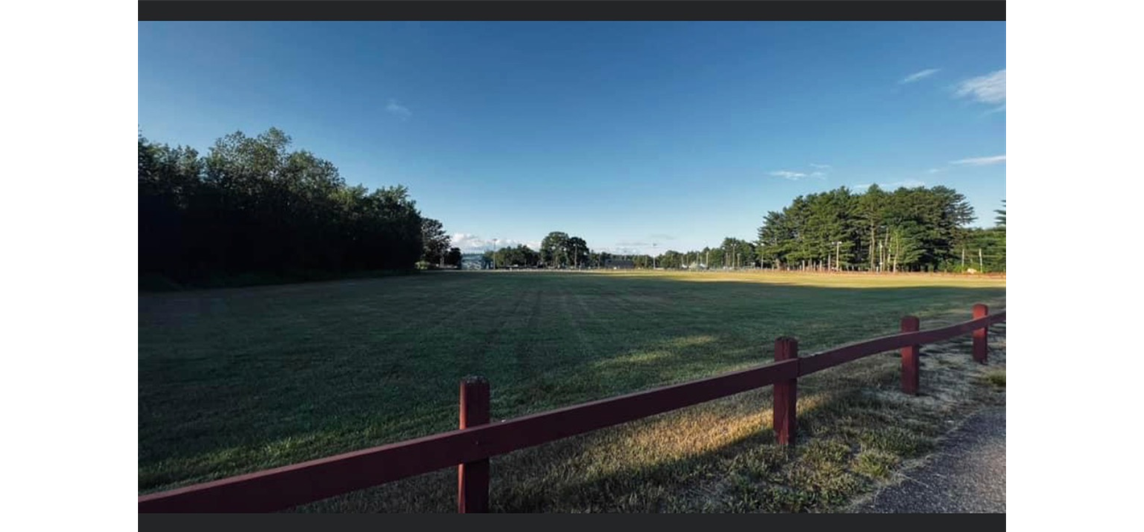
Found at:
<point>237,380</point>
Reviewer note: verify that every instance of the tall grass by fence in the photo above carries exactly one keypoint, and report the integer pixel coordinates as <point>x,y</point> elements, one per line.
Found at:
<point>470,447</point>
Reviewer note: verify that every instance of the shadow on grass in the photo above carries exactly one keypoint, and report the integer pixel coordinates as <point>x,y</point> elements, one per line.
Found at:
<point>851,437</point>
<point>236,380</point>
<point>856,431</point>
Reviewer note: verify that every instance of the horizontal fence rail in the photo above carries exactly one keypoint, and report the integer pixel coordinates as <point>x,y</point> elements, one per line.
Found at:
<point>470,447</point>
<point>847,353</point>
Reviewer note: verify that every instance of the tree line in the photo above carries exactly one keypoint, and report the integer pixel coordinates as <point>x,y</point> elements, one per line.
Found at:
<point>908,229</point>
<point>436,251</point>
<point>557,250</point>
<point>252,206</point>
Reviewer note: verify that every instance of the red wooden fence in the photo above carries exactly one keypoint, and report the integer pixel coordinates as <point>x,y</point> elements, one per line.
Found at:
<point>470,447</point>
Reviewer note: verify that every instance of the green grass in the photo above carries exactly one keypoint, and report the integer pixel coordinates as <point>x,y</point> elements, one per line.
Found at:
<point>996,378</point>
<point>236,380</point>
<point>154,282</point>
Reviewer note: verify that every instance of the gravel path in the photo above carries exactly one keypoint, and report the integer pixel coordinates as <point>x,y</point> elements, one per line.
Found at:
<point>966,475</point>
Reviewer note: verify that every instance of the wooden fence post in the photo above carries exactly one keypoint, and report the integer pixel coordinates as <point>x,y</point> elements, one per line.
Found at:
<point>980,336</point>
<point>473,477</point>
<point>785,394</point>
<point>911,371</point>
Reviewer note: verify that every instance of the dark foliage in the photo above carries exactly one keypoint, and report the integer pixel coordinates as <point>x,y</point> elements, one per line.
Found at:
<point>253,207</point>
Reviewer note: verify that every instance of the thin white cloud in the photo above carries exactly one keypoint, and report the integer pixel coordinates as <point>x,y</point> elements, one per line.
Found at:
<point>398,110</point>
<point>935,170</point>
<point>787,174</point>
<point>980,161</point>
<point>989,88</point>
<point>917,76</point>
<point>794,175</point>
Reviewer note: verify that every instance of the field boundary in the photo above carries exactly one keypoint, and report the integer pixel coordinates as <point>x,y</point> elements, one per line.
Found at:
<point>470,447</point>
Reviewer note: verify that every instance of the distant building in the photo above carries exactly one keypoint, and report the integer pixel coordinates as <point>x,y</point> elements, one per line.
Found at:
<point>473,261</point>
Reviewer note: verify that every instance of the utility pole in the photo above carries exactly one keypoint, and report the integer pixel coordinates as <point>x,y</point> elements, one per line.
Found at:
<point>838,256</point>
<point>980,261</point>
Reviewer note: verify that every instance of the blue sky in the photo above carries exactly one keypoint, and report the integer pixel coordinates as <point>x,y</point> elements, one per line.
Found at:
<point>625,133</point>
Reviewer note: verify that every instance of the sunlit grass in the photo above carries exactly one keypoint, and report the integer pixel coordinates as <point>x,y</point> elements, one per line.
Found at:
<point>996,378</point>
<point>835,280</point>
<point>232,381</point>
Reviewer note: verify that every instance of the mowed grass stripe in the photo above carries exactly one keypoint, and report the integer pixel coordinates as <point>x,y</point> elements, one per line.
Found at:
<point>233,381</point>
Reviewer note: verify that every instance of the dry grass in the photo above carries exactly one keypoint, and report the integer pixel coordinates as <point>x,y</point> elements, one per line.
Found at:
<point>996,378</point>
<point>548,340</point>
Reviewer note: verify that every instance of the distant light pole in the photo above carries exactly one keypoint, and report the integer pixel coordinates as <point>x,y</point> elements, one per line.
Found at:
<point>838,256</point>
<point>495,241</point>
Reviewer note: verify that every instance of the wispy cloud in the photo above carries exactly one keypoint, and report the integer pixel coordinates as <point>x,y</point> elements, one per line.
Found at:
<point>788,174</point>
<point>935,170</point>
<point>908,183</point>
<point>980,161</point>
<point>989,88</point>
<point>661,236</point>
<point>795,175</point>
<point>917,76</point>
<point>398,110</point>
<point>1000,109</point>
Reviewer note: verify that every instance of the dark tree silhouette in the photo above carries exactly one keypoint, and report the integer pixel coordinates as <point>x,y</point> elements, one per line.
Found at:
<point>253,206</point>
